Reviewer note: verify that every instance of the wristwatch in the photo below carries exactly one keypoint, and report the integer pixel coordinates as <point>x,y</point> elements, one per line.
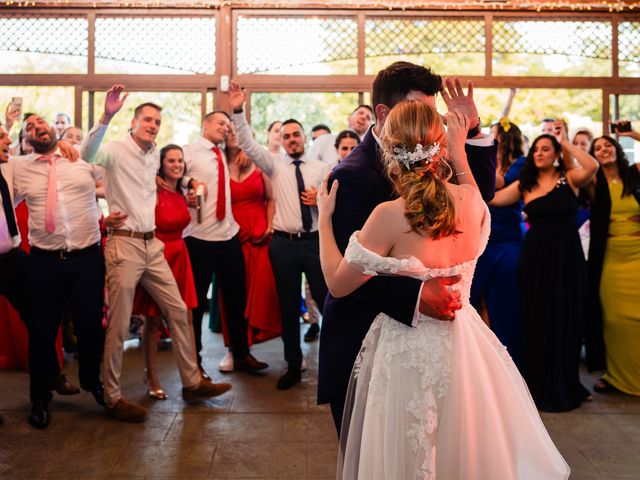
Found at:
<point>475,130</point>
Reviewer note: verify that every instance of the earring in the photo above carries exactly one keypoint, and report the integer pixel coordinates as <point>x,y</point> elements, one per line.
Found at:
<point>556,163</point>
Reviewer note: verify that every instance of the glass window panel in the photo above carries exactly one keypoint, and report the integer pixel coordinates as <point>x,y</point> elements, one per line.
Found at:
<point>629,49</point>
<point>158,45</point>
<point>43,44</point>
<point>580,108</point>
<point>297,46</point>
<point>628,109</point>
<point>448,46</point>
<point>180,115</point>
<point>332,109</point>
<point>553,48</point>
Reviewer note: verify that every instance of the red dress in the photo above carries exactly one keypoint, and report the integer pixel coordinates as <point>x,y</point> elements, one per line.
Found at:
<point>249,210</point>
<point>14,337</point>
<point>172,216</point>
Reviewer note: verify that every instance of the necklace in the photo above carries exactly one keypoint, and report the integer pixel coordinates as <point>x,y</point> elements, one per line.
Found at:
<point>615,179</point>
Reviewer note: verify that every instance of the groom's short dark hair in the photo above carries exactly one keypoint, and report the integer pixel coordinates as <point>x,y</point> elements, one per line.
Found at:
<point>392,84</point>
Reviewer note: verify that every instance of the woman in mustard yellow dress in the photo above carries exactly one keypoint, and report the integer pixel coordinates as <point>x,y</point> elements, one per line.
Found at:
<point>613,326</point>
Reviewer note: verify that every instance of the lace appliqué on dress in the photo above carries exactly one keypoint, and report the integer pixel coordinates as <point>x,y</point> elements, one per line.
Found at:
<point>370,263</point>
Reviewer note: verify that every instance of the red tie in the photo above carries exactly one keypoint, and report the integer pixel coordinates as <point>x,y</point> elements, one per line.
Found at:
<point>222,199</point>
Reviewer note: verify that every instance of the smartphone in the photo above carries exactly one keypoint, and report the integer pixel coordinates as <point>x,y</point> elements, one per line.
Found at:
<point>17,101</point>
<point>621,126</point>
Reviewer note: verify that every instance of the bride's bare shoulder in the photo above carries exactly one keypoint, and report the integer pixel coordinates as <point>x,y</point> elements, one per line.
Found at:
<point>390,211</point>
<point>465,194</point>
<point>381,229</point>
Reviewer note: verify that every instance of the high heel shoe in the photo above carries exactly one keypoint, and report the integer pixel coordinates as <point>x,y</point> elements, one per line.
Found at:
<point>157,393</point>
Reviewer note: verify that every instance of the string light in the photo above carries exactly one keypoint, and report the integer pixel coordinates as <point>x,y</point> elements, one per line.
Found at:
<point>566,5</point>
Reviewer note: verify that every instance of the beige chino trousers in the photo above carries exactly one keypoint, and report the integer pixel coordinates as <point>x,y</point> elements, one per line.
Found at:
<point>129,261</point>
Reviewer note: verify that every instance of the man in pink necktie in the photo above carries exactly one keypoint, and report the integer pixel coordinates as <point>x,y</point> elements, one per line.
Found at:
<point>65,264</point>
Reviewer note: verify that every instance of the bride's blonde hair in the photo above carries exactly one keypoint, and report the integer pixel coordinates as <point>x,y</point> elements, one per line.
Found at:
<point>420,181</point>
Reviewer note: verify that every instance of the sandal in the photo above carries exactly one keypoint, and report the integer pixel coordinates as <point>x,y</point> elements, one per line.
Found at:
<point>602,386</point>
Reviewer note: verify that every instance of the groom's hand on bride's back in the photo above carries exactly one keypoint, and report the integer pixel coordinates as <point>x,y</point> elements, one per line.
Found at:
<point>438,299</point>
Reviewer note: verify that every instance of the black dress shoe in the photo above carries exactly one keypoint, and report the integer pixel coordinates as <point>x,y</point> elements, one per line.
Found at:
<point>249,363</point>
<point>98,394</point>
<point>312,333</point>
<point>289,379</point>
<point>64,386</point>
<point>39,417</point>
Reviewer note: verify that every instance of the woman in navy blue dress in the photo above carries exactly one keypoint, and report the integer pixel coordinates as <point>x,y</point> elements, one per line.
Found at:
<point>495,282</point>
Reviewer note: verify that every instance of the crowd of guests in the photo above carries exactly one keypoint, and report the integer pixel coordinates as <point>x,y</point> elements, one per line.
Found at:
<point>247,213</point>
<point>535,288</point>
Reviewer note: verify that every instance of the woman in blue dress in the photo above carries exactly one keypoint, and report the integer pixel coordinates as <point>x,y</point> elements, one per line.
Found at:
<point>495,282</point>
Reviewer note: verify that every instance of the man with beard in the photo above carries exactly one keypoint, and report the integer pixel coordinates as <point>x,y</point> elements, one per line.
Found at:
<point>65,259</point>
<point>295,246</point>
<point>133,253</point>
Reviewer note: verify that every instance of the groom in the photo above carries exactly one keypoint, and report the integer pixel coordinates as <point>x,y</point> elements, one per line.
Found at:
<point>363,185</point>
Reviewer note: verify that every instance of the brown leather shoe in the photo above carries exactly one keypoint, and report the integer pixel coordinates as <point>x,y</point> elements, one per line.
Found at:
<point>250,364</point>
<point>205,389</point>
<point>127,412</point>
<point>64,386</point>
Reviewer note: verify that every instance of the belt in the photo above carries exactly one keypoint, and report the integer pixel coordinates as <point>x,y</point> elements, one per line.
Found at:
<point>64,254</point>
<point>296,236</point>
<point>132,234</point>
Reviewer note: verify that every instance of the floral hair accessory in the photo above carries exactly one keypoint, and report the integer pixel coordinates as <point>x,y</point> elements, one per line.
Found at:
<point>505,124</point>
<point>408,158</point>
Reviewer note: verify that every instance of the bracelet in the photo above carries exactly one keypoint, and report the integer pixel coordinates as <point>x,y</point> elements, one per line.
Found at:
<point>462,173</point>
<point>238,110</point>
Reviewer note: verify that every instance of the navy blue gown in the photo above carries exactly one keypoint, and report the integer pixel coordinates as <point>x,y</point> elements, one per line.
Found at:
<point>496,275</point>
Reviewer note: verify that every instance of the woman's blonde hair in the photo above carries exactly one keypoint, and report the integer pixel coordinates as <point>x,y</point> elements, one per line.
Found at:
<point>428,206</point>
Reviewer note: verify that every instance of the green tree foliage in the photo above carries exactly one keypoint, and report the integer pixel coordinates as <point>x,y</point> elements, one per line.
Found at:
<point>309,109</point>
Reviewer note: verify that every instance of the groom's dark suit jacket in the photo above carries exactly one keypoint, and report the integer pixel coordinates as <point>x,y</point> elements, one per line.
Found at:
<point>363,185</point>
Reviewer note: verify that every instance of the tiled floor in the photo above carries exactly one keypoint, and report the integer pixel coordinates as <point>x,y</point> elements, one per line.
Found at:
<point>254,431</point>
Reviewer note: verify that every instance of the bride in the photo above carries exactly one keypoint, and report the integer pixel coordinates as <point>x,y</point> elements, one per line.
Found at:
<point>444,399</point>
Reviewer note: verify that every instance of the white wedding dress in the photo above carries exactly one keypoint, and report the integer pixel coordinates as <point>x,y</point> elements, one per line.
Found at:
<point>442,400</point>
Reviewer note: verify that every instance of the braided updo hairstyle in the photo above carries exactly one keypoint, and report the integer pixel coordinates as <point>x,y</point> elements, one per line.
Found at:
<point>428,206</point>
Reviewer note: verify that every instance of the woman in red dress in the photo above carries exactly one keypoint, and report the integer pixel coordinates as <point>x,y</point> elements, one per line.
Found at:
<point>172,216</point>
<point>253,208</point>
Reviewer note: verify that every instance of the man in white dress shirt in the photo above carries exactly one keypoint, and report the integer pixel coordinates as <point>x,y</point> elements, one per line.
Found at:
<point>133,254</point>
<point>65,263</point>
<point>295,247</point>
<point>324,148</point>
<point>214,245</point>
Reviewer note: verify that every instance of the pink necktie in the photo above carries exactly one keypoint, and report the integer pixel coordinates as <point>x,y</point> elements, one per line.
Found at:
<point>50,212</point>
